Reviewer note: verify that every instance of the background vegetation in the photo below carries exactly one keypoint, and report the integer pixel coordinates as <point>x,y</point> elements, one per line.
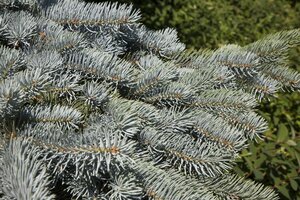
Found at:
<point>275,160</point>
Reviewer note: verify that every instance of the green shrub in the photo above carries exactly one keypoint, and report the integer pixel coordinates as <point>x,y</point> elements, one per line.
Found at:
<point>275,161</point>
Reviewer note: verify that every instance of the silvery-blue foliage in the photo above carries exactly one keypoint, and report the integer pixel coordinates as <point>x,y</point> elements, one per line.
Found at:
<point>94,105</point>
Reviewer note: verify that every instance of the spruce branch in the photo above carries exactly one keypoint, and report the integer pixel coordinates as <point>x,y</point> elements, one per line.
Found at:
<point>165,42</point>
<point>124,185</point>
<point>208,127</point>
<point>147,113</point>
<point>33,82</point>
<point>11,98</point>
<point>174,120</point>
<point>95,95</point>
<point>249,122</point>
<point>48,60</point>
<point>221,99</point>
<point>193,59</point>
<point>53,36</point>
<point>262,86</point>
<point>285,76</point>
<point>154,77</point>
<point>11,61</point>
<point>65,85</point>
<point>102,66</point>
<point>192,157</point>
<point>274,47</point>
<point>23,175</point>
<point>232,186</point>
<point>125,119</point>
<point>216,68</point>
<point>76,13</point>
<point>99,149</point>
<point>174,94</point>
<point>161,184</point>
<point>146,62</point>
<point>59,115</point>
<point>105,42</point>
<point>202,79</point>
<point>19,28</point>
<point>242,63</point>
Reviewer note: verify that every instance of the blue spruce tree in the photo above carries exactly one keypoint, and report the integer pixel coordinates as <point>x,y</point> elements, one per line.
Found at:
<point>94,105</point>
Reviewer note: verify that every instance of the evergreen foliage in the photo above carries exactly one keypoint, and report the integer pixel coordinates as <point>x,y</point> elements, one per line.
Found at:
<point>96,105</point>
<point>273,161</point>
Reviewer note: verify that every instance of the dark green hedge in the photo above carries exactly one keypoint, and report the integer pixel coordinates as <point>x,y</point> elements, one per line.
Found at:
<point>275,160</point>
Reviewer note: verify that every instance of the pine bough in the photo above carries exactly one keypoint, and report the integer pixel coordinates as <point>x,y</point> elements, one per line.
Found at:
<point>94,105</point>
